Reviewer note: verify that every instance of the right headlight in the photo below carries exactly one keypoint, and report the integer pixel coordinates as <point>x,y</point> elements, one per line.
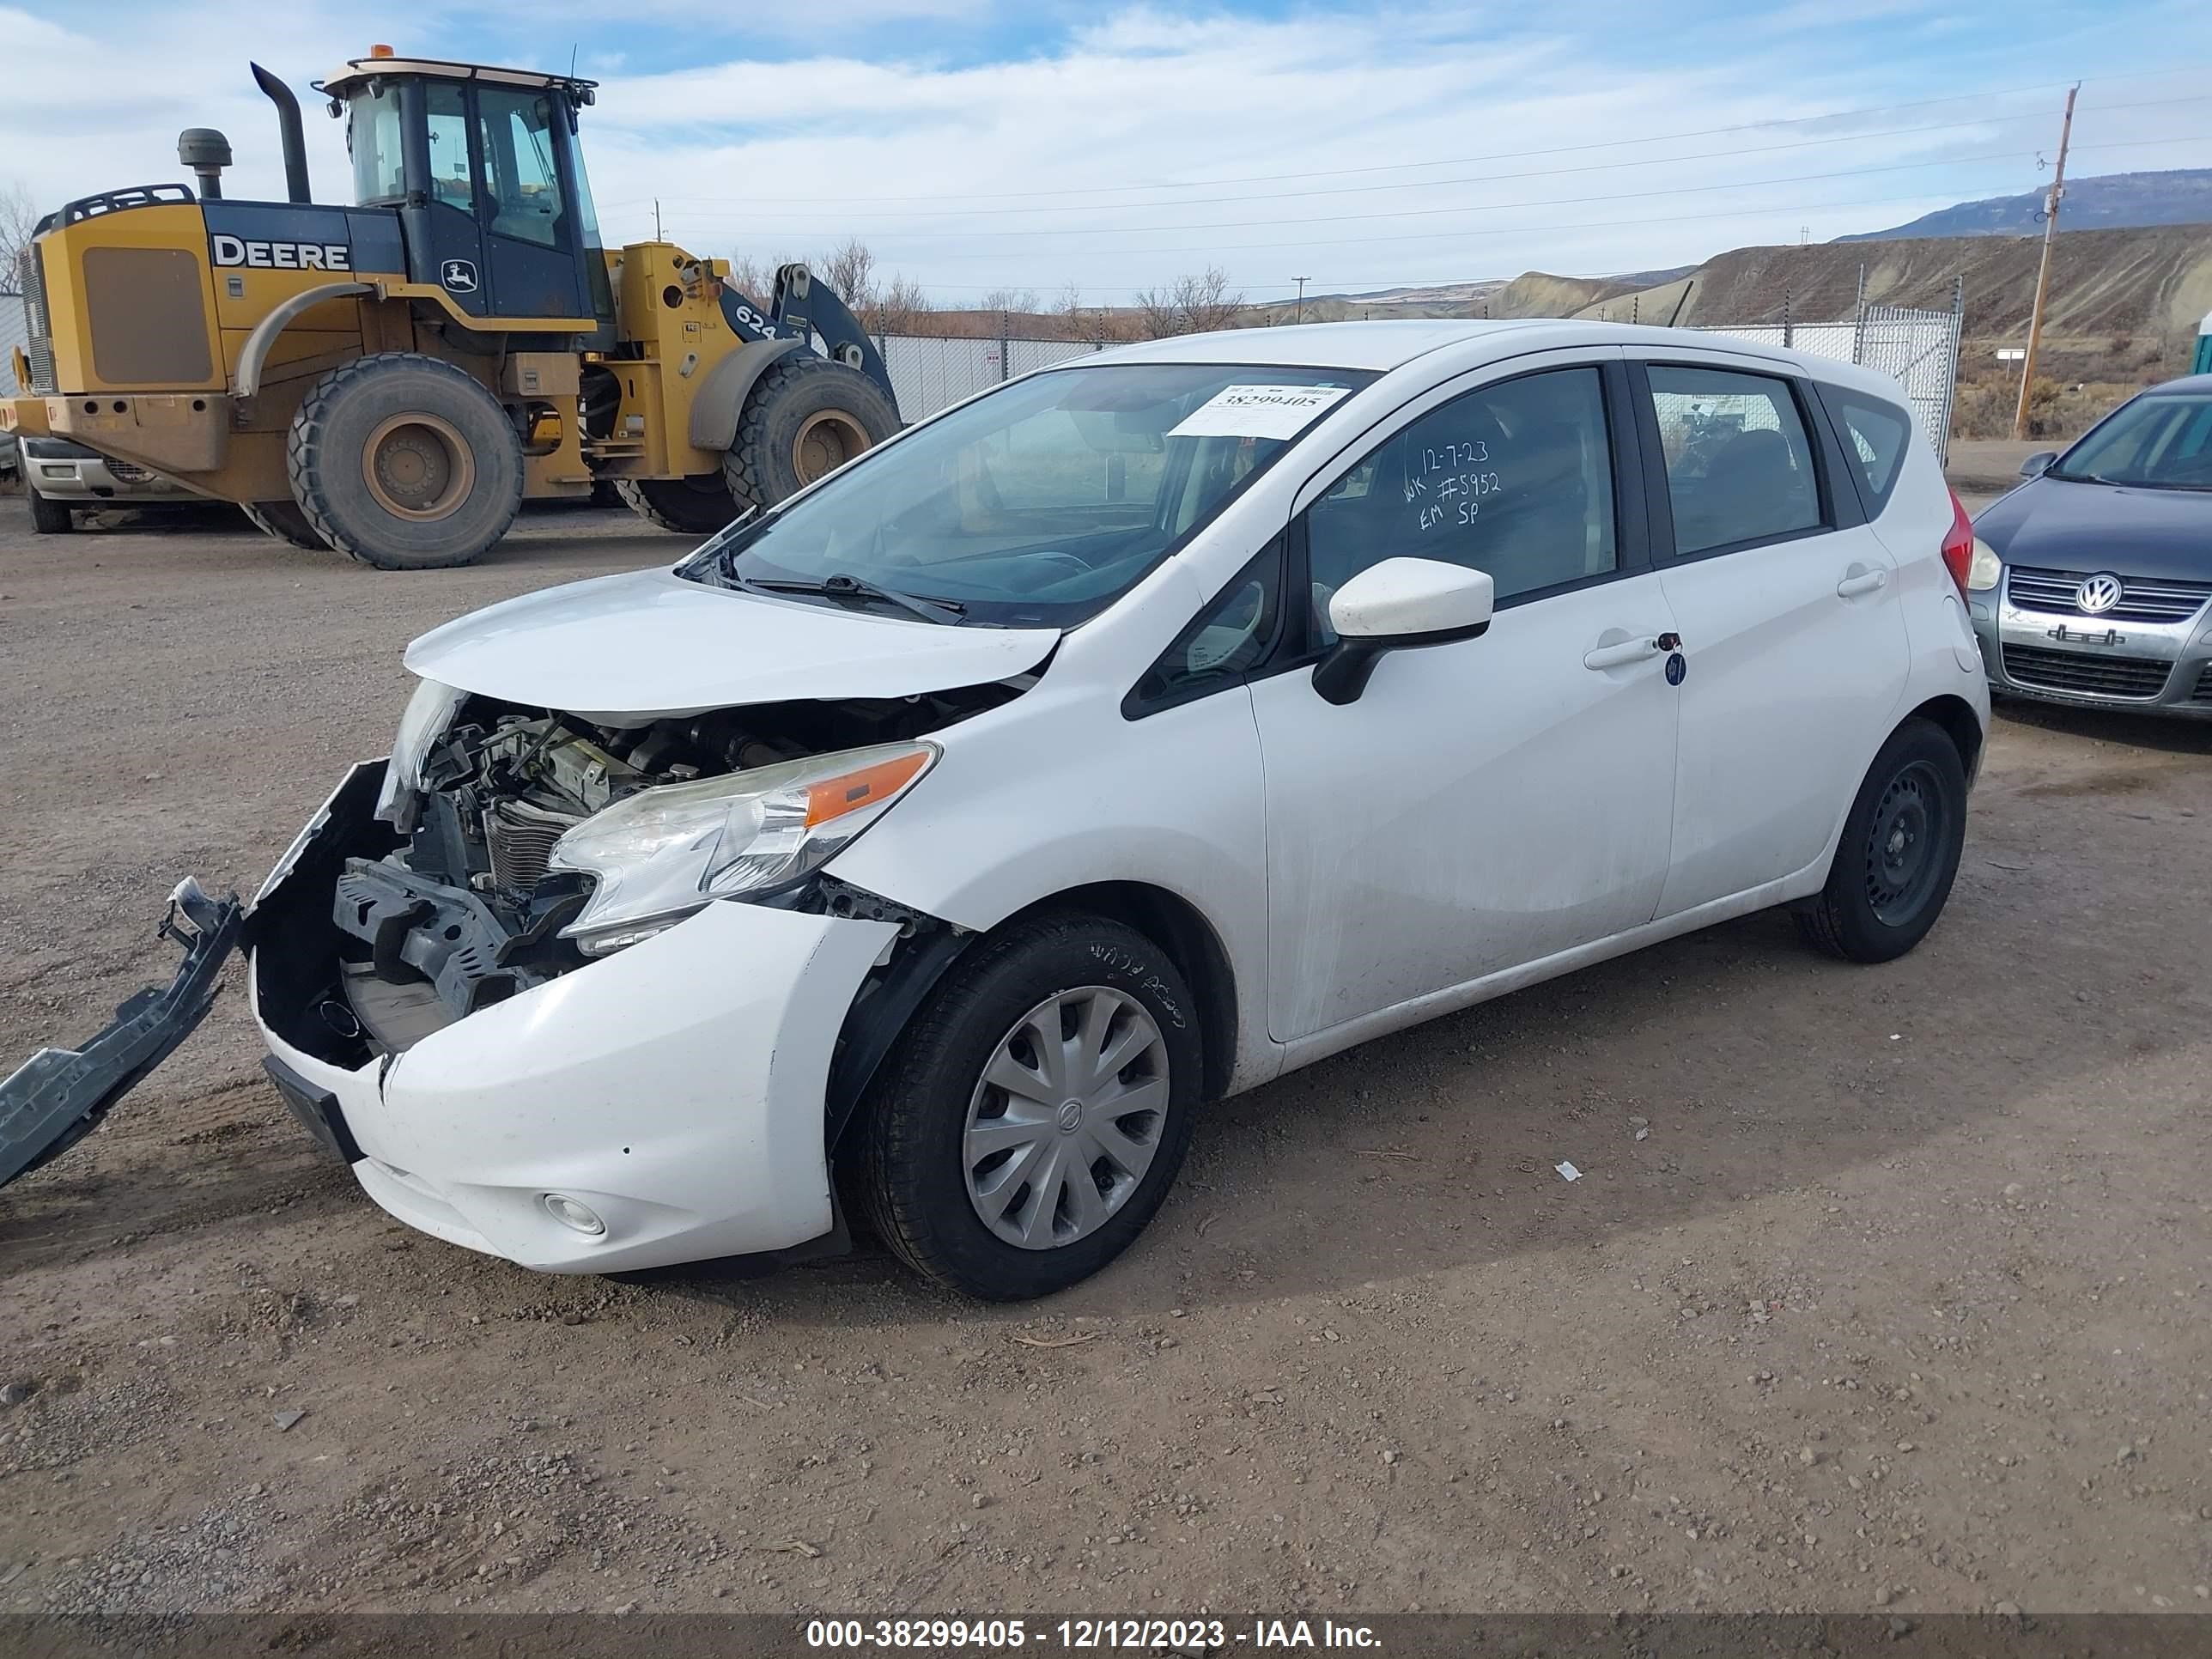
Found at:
<point>1984,573</point>
<point>661,853</point>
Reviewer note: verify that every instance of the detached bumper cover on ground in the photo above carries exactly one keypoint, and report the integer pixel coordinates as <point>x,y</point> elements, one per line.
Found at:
<point>59,1095</point>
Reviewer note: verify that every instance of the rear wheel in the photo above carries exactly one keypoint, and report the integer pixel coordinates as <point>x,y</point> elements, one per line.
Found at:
<point>48,516</point>
<point>1900,851</point>
<point>1031,1119</point>
<point>405,462</point>
<point>695,506</point>
<point>284,520</point>
<point>805,418</point>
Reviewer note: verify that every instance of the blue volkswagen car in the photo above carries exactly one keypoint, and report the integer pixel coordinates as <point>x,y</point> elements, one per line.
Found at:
<point>2092,582</point>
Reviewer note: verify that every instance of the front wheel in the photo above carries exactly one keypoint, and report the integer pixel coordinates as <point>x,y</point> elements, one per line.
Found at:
<point>1898,853</point>
<point>805,418</point>
<point>48,516</point>
<point>1031,1121</point>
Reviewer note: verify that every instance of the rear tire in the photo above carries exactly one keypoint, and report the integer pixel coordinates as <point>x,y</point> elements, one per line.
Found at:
<point>1900,851</point>
<point>697,505</point>
<point>48,516</point>
<point>806,416</point>
<point>405,462</point>
<point>284,520</point>
<point>942,1145</point>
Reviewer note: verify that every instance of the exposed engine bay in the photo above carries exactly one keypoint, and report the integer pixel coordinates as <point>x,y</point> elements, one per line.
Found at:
<point>466,912</point>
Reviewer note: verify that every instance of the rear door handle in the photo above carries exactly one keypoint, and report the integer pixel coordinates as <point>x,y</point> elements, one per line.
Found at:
<point>1619,655</point>
<point>1859,579</point>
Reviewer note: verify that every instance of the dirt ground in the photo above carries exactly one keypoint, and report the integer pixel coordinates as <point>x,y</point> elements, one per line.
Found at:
<point>1904,1300</point>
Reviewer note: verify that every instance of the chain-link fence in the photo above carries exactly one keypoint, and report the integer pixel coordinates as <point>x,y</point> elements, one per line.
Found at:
<point>929,374</point>
<point>1917,349</point>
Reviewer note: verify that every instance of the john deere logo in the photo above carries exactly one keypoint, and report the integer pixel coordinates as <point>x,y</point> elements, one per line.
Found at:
<point>459,275</point>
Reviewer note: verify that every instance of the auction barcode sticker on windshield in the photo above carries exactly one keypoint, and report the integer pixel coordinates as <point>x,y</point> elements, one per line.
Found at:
<point>1257,411</point>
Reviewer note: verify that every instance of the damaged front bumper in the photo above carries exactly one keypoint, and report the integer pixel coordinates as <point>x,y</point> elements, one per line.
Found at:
<point>663,1104</point>
<point>58,1096</point>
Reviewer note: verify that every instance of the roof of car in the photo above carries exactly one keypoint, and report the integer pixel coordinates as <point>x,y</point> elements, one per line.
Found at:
<point>1381,345</point>
<point>2194,384</point>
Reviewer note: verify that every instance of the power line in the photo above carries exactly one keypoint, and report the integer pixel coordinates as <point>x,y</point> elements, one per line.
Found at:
<point>1477,179</point>
<point>1463,160</point>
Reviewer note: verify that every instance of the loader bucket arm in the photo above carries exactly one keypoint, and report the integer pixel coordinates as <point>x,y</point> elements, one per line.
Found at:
<point>802,308</point>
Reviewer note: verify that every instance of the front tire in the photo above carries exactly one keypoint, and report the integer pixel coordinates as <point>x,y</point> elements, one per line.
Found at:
<point>1900,851</point>
<point>405,462</point>
<point>805,418</point>
<point>1031,1119</point>
<point>48,516</point>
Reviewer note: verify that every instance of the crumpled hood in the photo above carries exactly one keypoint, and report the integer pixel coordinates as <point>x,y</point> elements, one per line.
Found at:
<point>649,643</point>
<point>2158,535</point>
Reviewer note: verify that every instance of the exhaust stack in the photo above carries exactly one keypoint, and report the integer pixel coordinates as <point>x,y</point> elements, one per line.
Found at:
<point>295,136</point>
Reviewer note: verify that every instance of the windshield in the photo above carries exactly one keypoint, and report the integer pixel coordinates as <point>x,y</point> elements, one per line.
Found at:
<point>1038,505</point>
<point>2160,442</point>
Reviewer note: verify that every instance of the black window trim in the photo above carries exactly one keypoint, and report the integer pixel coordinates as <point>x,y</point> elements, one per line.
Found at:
<point>1817,435</point>
<point>1136,706</point>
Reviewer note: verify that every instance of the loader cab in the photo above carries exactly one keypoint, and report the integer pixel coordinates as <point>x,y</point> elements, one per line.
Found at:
<point>483,167</point>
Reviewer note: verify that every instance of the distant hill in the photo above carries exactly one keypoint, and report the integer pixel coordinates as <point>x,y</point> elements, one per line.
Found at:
<point>2153,280</point>
<point>2112,201</point>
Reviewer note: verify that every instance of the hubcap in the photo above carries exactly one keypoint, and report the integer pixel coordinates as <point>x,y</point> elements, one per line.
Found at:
<point>418,466</point>
<point>1904,844</point>
<point>1066,1118</point>
<point>827,439</point>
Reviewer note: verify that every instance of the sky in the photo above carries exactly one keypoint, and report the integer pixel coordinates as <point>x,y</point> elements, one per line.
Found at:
<point>979,146</point>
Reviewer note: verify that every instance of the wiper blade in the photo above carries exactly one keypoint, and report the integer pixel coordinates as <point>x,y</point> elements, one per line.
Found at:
<point>841,585</point>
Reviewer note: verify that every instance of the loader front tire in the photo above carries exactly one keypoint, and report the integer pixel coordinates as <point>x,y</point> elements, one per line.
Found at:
<point>284,520</point>
<point>697,505</point>
<point>806,416</point>
<point>405,462</point>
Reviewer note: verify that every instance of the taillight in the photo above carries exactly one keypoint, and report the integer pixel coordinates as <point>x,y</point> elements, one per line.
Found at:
<point>1958,545</point>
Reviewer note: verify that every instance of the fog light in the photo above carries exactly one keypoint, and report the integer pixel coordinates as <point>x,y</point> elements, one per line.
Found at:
<point>570,1213</point>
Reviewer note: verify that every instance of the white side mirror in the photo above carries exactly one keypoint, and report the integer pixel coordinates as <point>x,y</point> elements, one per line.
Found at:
<point>1394,605</point>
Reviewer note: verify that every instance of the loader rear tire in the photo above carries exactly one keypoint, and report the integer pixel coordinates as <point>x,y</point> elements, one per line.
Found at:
<point>405,462</point>
<point>697,505</point>
<point>806,416</point>
<point>284,520</point>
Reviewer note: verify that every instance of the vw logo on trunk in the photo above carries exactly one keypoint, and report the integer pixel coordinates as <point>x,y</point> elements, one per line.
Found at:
<point>2098,594</point>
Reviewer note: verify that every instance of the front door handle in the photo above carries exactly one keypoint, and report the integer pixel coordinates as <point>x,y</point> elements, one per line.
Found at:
<point>1859,579</point>
<point>1623,653</point>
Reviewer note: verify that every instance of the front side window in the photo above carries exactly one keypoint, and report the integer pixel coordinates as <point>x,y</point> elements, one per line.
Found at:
<point>1231,636</point>
<point>519,180</point>
<point>372,136</point>
<point>1739,464</point>
<point>1514,478</point>
<point>1039,504</point>
<point>452,177</point>
<point>2159,442</point>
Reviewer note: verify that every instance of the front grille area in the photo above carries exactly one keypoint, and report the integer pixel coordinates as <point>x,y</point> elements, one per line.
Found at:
<point>2203,692</point>
<point>40,345</point>
<point>129,472</point>
<point>2052,592</point>
<point>2084,674</point>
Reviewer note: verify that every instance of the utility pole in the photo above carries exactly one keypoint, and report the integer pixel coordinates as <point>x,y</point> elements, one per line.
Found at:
<point>2043,272</point>
<point>1301,281</point>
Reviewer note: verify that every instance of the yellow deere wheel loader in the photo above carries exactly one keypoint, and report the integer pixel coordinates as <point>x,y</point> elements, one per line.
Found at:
<point>394,378</point>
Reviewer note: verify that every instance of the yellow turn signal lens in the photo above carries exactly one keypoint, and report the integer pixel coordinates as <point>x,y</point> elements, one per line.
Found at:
<point>833,798</point>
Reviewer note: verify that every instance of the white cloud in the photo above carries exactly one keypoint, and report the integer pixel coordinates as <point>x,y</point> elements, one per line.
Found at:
<point>921,149</point>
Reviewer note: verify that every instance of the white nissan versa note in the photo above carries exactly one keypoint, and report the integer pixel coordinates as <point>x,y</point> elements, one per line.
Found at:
<point>939,842</point>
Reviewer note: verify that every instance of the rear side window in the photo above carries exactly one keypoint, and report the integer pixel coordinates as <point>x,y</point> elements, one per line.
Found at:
<point>1739,464</point>
<point>1874,435</point>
